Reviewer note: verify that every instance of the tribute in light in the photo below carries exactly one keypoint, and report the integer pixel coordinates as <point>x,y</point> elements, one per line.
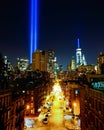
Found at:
<point>78,43</point>
<point>33,27</point>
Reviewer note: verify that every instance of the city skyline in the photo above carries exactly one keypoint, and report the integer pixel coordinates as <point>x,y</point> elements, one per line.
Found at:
<point>60,24</point>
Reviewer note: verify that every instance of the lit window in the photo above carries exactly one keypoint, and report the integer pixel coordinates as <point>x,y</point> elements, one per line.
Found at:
<point>31,104</point>
<point>32,98</point>
<point>9,114</point>
<point>32,111</point>
<point>27,107</point>
<point>27,92</point>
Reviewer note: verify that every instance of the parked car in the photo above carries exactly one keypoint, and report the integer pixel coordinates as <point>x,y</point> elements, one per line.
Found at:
<point>45,120</point>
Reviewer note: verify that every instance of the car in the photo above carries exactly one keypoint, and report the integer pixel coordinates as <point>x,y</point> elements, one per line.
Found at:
<point>45,121</point>
<point>46,115</point>
<point>61,106</point>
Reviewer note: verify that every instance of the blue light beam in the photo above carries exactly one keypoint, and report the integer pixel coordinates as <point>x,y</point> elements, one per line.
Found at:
<point>33,27</point>
<point>78,43</point>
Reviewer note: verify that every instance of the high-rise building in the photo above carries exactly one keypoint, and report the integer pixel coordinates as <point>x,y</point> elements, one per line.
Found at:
<point>22,63</point>
<point>50,63</point>
<point>7,64</point>
<point>39,60</point>
<point>78,55</point>
<point>73,66</point>
<point>52,66</point>
<point>80,58</point>
<point>84,60</point>
<point>100,62</point>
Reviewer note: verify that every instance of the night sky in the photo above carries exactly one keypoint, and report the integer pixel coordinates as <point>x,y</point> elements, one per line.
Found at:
<point>60,23</point>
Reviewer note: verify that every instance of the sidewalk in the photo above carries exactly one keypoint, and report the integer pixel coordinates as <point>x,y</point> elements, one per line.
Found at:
<point>69,124</point>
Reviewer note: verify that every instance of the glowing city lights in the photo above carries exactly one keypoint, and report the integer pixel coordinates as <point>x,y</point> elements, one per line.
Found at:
<point>28,107</point>
<point>57,88</point>
<point>33,27</point>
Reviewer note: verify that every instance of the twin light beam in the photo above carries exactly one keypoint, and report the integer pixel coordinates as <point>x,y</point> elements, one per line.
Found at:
<point>33,27</point>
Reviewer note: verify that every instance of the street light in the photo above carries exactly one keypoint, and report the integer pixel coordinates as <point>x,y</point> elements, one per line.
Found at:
<point>27,107</point>
<point>74,104</point>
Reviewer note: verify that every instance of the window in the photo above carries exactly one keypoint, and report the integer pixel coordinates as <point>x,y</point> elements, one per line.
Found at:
<point>32,98</point>
<point>23,102</point>
<point>31,105</point>
<point>6,101</point>
<point>27,92</point>
<point>32,111</point>
<point>3,102</point>
<point>99,106</point>
<point>9,114</point>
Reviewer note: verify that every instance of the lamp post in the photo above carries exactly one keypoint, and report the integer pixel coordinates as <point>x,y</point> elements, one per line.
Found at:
<point>27,109</point>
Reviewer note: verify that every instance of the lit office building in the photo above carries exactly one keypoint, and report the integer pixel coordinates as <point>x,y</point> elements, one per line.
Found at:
<point>7,64</point>
<point>100,62</point>
<point>39,60</point>
<point>72,65</point>
<point>22,63</point>
<point>83,60</point>
<point>87,68</point>
<point>52,66</point>
<point>50,63</point>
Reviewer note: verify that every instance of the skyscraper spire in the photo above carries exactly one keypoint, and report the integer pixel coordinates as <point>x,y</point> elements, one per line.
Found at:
<point>78,43</point>
<point>80,58</point>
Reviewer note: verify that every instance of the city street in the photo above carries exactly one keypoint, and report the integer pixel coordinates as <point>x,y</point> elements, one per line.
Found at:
<point>56,120</point>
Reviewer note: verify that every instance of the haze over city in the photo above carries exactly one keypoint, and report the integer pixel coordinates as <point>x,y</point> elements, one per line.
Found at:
<point>60,23</point>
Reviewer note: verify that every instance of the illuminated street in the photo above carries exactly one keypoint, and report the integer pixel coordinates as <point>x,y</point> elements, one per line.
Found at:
<point>57,118</point>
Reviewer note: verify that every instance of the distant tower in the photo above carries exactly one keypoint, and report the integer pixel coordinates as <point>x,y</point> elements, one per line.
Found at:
<point>51,57</point>
<point>84,60</point>
<point>73,67</point>
<point>100,62</point>
<point>22,63</point>
<point>78,54</point>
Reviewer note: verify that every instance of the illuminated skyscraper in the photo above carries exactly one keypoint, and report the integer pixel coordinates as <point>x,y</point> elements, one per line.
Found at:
<point>78,55</point>
<point>33,27</point>
<point>84,60</point>
<point>51,57</point>
<point>80,58</point>
<point>73,67</point>
<point>22,63</point>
